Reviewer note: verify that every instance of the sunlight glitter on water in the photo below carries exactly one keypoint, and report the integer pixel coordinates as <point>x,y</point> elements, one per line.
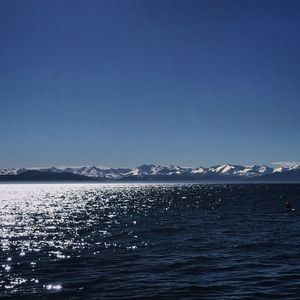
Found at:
<point>48,221</point>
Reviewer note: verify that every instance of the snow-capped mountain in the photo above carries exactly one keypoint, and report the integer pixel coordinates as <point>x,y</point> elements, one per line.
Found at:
<point>160,172</point>
<point>13,171</point>
<point>246,171</point>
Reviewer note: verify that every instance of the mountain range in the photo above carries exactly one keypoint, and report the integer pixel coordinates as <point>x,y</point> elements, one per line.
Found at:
<point>227,172</point>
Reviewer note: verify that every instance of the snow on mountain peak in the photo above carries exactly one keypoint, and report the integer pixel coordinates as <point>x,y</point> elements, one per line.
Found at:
<point>161,171</point>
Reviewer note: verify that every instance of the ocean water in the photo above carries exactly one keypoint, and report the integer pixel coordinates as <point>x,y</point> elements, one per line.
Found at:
<point>149,241</point>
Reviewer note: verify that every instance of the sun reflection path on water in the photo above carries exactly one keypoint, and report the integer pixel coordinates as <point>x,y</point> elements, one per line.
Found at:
<point>52,222</point>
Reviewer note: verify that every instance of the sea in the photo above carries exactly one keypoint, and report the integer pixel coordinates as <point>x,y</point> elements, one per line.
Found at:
<point>149,241</point>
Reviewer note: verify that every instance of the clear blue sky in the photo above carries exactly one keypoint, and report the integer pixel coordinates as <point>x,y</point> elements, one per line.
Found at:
<point>124,82</point>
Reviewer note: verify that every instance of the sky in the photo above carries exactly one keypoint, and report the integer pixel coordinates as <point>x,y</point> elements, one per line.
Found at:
<point>124,82</point>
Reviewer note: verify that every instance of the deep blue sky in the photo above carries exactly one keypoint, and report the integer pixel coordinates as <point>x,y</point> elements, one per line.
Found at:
<point>120,83</point>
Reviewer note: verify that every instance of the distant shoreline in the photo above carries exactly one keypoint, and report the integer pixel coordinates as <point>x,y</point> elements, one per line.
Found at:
<point>292,176</point>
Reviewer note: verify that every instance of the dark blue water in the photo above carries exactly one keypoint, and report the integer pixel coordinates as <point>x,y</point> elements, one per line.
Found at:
<point>149,241</point>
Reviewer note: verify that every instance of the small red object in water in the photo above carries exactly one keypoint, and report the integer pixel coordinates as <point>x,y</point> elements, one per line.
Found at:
<point>288,205</point>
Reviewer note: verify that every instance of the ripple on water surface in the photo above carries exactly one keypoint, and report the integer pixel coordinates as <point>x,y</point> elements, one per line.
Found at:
<point>149,240</point>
